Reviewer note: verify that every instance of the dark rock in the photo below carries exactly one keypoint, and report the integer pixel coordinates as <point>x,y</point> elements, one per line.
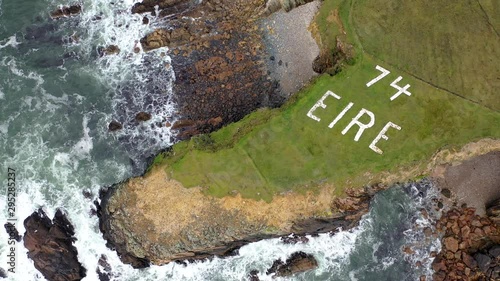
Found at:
<point>483,261</point>
<point>3,273</point>
<point>253,275</point>
<point>493,211</point>
<point>114,126</point>
<point>12,232</point>
<point>66,11</point>
<point>298,262</point>
<point>446,192</point>
<point>145,20</point>
<point>294,239</point>
<point>104,269</point>
<point>87,194</point>
<point>495,251</point>
<point>50,246</point>
<point>143,116</point>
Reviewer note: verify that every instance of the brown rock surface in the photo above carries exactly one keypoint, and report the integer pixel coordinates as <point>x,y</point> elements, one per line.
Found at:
<point>50,246</point>
<point>66,11</point>
<point>298,262</point>
<point>156,219</point>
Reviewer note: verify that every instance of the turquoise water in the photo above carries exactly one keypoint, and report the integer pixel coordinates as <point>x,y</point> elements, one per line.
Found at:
<point>57,97</point>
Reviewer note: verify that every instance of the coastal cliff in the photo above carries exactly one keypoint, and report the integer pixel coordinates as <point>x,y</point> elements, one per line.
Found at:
<point>287,170</point>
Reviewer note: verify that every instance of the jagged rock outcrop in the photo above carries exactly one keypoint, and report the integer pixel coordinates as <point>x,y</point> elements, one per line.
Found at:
<point>50,246</point>
<point>298,262</point>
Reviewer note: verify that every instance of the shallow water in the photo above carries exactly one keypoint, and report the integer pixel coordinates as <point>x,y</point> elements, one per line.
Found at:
<point>57,97</point>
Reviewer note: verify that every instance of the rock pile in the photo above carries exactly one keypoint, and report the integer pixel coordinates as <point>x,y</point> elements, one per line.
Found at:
<point>465,254</point>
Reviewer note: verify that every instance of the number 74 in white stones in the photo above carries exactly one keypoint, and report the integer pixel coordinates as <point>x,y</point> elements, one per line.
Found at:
<point>385,72</point>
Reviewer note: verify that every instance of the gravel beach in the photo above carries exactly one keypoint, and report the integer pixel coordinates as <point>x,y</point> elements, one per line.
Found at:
<point>292,46</point>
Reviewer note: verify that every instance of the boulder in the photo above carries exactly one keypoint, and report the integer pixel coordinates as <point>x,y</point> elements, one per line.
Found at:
<point>50,246</point>
<point>493,211</point>
<point>66,11</point>
<point>483,261</point>
<point>495,251</point>
<point>103,269</point>
<point>451,244</point>
<point>298,262</point>
<point>143,116</point>
<point>114,126</point>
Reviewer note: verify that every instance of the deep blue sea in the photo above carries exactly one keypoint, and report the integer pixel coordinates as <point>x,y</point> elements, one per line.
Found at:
<point>57,97</point>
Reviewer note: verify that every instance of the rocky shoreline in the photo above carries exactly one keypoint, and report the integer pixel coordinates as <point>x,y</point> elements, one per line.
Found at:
<point>216,231</point>
<point>219,58</point>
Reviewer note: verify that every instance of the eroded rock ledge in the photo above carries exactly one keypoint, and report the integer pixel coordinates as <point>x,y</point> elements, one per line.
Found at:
<point>155,219</point>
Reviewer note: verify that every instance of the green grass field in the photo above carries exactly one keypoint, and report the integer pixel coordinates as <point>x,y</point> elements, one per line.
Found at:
<point>274,151</point>
<point>453,45</point>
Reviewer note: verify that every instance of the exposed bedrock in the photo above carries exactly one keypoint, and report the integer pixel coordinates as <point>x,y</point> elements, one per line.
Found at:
<point>183,224</point>
<point>50,246</point>
<point>218,56</point>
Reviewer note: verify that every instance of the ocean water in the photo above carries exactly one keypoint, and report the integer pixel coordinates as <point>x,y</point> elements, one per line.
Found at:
<point>57,97</point>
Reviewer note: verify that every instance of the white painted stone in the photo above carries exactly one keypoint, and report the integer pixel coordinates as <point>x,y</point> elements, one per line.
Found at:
<point>384,71</point>
<point>362,127</point>
<point>341,114</point>
<point>400,90</point>
<point>320,103</point>
<point>383,136</point>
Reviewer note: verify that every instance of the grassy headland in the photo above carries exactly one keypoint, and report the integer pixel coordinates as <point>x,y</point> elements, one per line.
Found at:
<point>453,101</point>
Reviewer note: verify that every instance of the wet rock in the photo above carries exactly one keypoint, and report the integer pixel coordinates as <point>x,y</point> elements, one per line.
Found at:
<point>298,262</point>
<point>104,269</point>
<point>110,50</point>
<point>253,275</point>
<point>294,239</point>
<point>145,20</point>
<point>87,194</point>
<point>3,273</point>
<point>469,260</point>
<point>114,126</point>
<point>50,246</point>
<point>12,232</point>
<point>66,11</point>
<point>142,116</point>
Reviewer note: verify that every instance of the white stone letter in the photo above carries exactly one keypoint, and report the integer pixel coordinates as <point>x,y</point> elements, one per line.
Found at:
<point>400,90</point>
<point>385,72</point>
<point>341,114</point>
<point>362,126</point>
<point>383,136</point>
<point>320,104</point>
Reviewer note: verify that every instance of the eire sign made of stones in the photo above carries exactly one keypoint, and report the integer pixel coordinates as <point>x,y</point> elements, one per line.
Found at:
<point>355,120</point>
